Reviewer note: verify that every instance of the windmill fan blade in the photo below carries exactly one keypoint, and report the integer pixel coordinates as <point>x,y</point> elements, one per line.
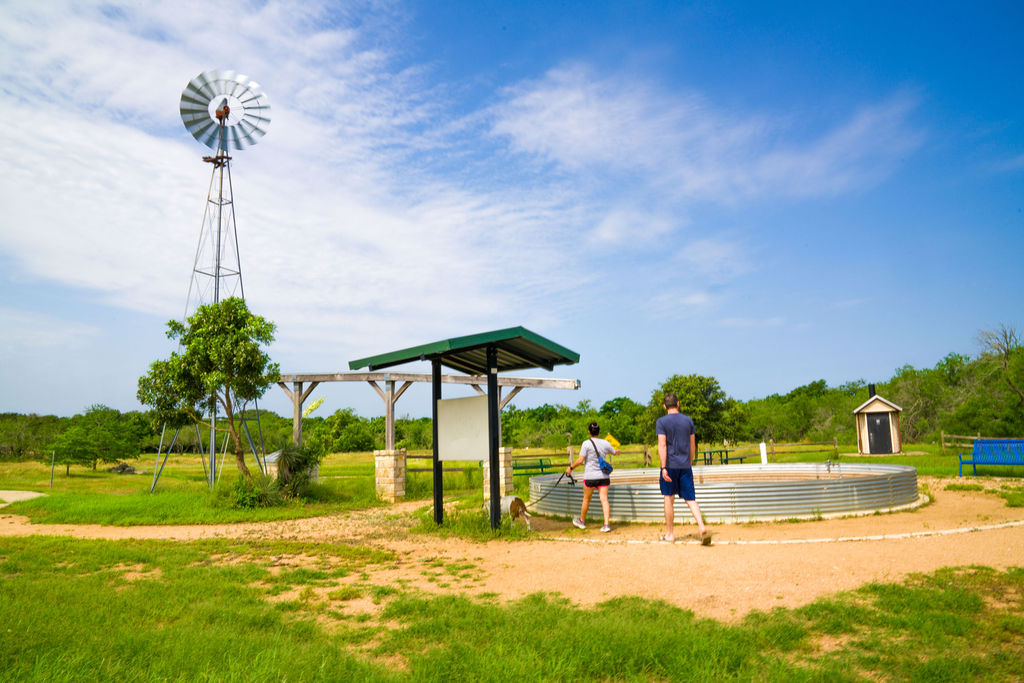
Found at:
<point>248,105</point>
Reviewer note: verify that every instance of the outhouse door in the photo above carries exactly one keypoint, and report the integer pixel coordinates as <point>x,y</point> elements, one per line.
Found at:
<point>879,434</point>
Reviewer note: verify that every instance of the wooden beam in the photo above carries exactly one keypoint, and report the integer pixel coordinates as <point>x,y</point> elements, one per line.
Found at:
<point>511,395</point>
<point>528,382</point>
<point>390,396</point>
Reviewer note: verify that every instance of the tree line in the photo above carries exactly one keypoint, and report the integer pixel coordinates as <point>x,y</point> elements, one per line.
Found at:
<point>960,395</point>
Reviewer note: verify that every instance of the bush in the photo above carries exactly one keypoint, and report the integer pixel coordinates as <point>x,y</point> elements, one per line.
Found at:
<point>260,491</point>
<point>295,465</point>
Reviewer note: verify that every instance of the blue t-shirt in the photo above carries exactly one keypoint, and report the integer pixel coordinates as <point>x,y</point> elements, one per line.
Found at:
<point>677,429</point>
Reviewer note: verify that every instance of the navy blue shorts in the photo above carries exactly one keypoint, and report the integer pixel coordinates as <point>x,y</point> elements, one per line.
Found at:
<point>681,484</point>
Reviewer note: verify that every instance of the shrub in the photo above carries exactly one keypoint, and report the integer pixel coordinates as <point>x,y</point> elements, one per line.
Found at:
<point>259,491</point>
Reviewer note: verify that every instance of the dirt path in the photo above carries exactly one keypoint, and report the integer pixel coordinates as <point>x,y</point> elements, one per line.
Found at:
<point>750,566</point>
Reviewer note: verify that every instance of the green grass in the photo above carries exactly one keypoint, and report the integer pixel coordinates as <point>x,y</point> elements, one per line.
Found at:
<point>227,610</point>
<point>964,487</point>
<point>346,483</point>
<point>469,520</point>
<point>185,504</point>
<point>181,496</point>
<point>927,458</point>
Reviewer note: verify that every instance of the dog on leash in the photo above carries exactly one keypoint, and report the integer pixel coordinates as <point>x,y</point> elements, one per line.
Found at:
<point>514,507</point>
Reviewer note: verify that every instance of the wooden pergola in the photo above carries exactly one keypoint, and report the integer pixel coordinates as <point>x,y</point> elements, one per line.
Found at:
<point>395,384</point>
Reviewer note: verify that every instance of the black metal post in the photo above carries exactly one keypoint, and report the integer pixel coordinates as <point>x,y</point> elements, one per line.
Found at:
<point>438,474</point>
<point>493,433</point>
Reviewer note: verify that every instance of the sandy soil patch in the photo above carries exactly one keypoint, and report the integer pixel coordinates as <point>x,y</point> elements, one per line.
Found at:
<point>749,567</point>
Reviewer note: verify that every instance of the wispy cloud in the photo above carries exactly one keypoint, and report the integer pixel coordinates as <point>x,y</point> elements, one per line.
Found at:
<point>371,209</point>
<point>343,236</point>
<point>679,142</point>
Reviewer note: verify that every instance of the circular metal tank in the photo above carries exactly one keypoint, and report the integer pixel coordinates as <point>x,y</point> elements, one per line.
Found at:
<point>743,493</point>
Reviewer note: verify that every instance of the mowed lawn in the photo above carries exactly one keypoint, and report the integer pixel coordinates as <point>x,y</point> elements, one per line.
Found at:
<point>283,610</point>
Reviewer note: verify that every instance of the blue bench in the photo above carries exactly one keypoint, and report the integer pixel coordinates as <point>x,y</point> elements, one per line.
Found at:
<point>993,452</point>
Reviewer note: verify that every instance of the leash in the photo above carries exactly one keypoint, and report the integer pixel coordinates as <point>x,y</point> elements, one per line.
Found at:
<point>572,482</point>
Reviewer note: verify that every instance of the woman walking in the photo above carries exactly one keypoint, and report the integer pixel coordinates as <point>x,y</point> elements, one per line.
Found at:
<point>593,477</point>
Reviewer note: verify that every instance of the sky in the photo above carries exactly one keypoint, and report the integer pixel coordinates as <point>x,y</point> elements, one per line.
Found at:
<point>767,193</point>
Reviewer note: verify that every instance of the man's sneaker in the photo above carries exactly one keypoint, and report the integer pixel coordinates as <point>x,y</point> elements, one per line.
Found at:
<point>605,529</point>
<point>578,523</point>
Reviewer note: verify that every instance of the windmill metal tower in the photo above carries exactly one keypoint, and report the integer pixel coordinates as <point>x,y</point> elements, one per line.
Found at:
<point>224,111</point>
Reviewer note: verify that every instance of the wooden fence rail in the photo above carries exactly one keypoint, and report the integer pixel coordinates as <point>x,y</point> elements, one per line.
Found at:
<point>774,449</point>
<point>958,441</point>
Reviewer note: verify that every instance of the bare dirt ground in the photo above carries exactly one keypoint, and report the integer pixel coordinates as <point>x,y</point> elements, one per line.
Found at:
<point>748,567</point>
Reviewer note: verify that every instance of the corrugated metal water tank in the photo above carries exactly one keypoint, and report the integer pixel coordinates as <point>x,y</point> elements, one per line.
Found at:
<point>743,493</point>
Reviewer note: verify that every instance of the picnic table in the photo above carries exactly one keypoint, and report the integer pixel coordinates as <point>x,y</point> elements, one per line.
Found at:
<point>708,456</point>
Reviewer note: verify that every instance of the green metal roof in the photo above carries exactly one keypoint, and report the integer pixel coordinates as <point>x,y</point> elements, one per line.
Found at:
<point>518,349</point>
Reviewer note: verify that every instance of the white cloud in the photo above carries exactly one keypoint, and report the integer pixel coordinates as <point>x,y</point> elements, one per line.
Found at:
<point>370,213</point>
<point>341,239</point>
<point>680,143</point>
<point>624,226</point>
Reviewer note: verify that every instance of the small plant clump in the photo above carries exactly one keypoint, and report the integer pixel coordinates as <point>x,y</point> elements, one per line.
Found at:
<point>259,491</point>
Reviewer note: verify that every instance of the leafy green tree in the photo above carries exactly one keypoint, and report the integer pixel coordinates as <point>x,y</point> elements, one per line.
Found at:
<point>25,436</point>
<point>622,417</point>
<point>221,365</point>
<point>100,434</point>
<point>703,399</point>
<point>73,446</point>
<point>343,431</point>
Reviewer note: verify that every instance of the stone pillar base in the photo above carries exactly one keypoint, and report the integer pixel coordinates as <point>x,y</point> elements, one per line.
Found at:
<point>389,468</point>
<point>505,486</point>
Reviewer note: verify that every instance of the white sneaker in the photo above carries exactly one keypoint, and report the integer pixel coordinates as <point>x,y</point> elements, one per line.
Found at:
<point>578,523</point>
<point>605,529</point>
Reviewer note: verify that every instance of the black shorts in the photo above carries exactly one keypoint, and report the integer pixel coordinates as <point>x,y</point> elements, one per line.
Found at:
<point>597,483</point>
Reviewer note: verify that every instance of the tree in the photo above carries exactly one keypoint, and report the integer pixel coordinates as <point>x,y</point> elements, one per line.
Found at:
<point>622,417</point>
<point>221,365</point>
<point>72,447</point>
<point>1001,346</point>
<point>23,436</point>
<point>700,397</point>
<point>100,434</point>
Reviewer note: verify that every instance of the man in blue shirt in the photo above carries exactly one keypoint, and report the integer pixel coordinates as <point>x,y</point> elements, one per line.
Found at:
<point>677,445</point>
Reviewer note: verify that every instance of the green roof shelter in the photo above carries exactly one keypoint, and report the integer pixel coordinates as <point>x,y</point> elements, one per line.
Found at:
<point>488,353</point>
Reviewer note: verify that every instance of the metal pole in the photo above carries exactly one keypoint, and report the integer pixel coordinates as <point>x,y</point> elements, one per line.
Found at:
<point>202,455</point>
<point>220,216</point>
<point>53,460</point>
<point>156,472</point>
<point>438,475</point>
<point>213,446</point>
<point>159,450</point>
<point>248,436</point>
<point>223,456</point>
<point>493,432</point>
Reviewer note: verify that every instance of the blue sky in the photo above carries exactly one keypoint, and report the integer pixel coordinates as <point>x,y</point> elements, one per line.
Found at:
<point>769,193</point>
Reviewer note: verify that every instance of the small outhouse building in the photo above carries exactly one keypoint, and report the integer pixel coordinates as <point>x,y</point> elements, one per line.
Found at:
<point>878,426</point>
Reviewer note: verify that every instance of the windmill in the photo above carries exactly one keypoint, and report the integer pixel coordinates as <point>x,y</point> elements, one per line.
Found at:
<point>224,111</point>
